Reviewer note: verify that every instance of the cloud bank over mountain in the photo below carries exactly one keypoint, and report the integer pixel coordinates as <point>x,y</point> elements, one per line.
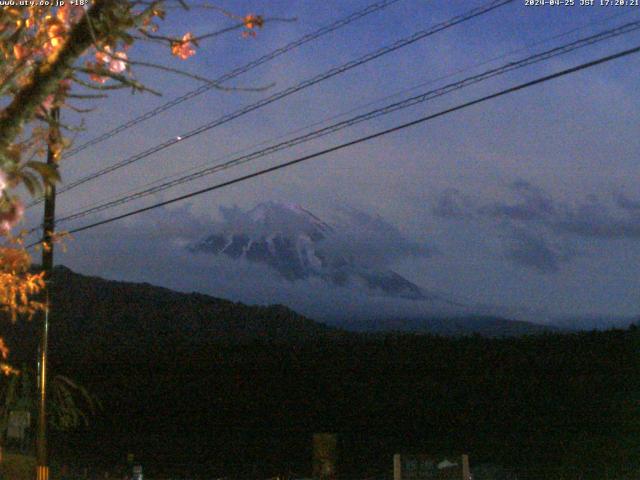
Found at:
<point>357,250</point>
<point>516,251</point>
<point>539,231</point>
<point>273,253</point>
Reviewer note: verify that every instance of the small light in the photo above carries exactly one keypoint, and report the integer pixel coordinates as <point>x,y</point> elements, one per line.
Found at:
<point>178,138</point>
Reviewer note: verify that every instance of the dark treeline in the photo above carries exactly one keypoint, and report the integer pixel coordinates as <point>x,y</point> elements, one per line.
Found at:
<point>556,404</point>
<point>194,385</point>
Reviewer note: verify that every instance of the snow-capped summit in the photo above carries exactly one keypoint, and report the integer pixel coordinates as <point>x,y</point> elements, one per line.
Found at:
<point>286,219</point>
<point>299,245</point>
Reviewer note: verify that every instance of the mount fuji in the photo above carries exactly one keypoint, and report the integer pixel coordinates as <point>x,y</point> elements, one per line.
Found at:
<point>298,245</point>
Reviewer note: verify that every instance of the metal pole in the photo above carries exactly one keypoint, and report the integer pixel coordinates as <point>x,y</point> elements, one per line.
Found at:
<point>48,226</point>
<point>41,442</point>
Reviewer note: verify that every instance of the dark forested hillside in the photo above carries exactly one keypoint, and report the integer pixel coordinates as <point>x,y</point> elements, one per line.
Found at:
<point>93,315</point>
<point>554,403</point>
<point>544,406</point>
<point>487,326</point>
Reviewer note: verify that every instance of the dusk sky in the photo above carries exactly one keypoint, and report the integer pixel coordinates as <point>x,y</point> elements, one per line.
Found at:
<point>529,203</point>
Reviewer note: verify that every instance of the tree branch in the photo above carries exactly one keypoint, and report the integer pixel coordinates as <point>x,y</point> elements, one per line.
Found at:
<point>198,77</point>
<point>46,78</point>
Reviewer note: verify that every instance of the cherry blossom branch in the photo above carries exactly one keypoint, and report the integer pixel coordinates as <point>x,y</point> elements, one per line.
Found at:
<point>243,24</point>
<point>95,86</point>
<point>87,96</point>
<point>15,73</point>
<point>198,77</point>
<point>79,110</point>
<point>170,40</point>
<point>46,78</point>
<point>124,80</point>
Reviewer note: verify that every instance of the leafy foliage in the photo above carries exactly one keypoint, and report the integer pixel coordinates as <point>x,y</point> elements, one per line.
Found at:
<point>70,404</point>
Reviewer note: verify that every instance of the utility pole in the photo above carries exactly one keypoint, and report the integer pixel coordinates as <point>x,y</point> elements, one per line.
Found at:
<point>48,228</point>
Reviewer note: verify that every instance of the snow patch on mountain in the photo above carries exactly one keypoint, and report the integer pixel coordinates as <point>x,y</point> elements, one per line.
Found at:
<point>299,245</point>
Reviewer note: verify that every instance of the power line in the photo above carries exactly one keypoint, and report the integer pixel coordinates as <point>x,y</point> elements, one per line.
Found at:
<point>199,167</point>
<point>223,78</point>
<point>406,103</point>
<point>366,138</point>
<point>234,73</point>
<point>293,89</point>
<point>289,91</point>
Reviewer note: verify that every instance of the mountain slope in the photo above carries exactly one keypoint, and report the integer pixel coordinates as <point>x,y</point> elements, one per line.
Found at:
<point>487,326</point>
<point>91,314</point>
<point>173,392</point>
<point>93,317</point>
<point>298,245</point>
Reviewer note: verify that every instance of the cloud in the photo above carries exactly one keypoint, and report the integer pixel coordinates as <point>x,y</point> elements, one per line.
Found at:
<point>451,204</point>
<point>352,234</point>
<point>540,232</point>
<point>531,203</point>
<point>138,248</point>
<point>356,248</point>
<point>533,250</point>
<point>595,219</point>
<point>626,203</point>
<point>153,249</point>
<point>374,240</point>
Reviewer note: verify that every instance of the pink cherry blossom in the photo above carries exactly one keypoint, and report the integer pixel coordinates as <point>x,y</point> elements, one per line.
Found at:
<point>98,78</point>
<point>114,62</point>
<point>103,55</point>
<point>11,217</point>
<point>20,51</point>
<point>94,76</point>
<point>184,48</point>
<point>55,34</point>
<point>4,181</point>
<point>47,104</point>
<point>118,62</point>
